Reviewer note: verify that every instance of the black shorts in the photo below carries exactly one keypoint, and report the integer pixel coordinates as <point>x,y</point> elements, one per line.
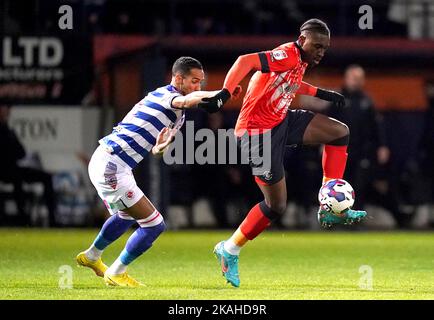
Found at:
<point>265,152</point>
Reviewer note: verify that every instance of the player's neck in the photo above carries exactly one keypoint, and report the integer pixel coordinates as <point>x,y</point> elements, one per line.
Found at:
<point>302,53</point>
<point>177,87</point>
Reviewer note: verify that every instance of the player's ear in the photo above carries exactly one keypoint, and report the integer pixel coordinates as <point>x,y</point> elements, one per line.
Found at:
<point>301,40</point>
<point>178,78</point>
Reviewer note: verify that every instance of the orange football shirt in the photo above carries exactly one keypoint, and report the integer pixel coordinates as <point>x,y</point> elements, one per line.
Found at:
<point>271,90</point>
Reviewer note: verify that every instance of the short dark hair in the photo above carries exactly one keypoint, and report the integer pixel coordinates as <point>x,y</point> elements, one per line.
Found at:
<point>184,65</point>
<point>315,25</point>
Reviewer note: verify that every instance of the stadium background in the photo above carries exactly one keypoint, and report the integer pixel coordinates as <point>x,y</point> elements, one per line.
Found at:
<point>119,50</point>
<point>68,87</point>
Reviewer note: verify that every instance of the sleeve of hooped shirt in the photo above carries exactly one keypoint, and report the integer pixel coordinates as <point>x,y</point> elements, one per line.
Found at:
<point>280,59</point>
<point>166,98</point>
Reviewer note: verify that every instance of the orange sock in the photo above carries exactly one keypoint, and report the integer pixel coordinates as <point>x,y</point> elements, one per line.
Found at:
<point>334,160</point>
<point>254,223</point>
<point>234,244</point>
<point>238,238</point>
<point>325,180</point>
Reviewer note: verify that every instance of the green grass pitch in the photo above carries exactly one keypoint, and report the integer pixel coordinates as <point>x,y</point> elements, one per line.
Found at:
<point>180,265</point>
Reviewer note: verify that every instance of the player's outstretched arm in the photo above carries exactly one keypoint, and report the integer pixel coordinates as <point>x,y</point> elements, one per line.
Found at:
<point>240,69</point>
<point>191,100</point>
<point>231,88</point>
<point>328,95</point>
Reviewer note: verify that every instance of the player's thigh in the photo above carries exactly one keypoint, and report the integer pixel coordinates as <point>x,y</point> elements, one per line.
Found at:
<point>275,195</point>
<point>322,130</point>
<point>141,209</point>
<point>265,153</point>
<point>117,187</point>
<point>298,120</point>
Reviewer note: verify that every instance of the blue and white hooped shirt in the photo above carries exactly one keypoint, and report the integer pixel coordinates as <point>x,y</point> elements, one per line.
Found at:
<point>136,135</point>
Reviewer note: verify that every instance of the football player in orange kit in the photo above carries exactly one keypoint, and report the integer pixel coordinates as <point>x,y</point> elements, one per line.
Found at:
<point>267,109</point>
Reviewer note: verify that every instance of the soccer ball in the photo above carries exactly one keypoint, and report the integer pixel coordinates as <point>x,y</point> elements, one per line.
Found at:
<point>336,196</point>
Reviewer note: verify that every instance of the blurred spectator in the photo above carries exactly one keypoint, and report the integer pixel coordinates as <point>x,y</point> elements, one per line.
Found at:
<point>293,12</point>
<point>418,15</point>
<point>12,173</point>
<point>204,25</point>
<point>368,155</point>
<point>258,17</point>
<point>261,17</point>
<point>94,23</point>
<point>124,24</point>
<point>95,10</point>
<point>264,17</point>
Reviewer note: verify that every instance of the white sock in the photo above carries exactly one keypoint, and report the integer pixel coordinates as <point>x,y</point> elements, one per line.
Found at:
<point>93,253</point>
<point>117,267</point>
<point>232,248</point>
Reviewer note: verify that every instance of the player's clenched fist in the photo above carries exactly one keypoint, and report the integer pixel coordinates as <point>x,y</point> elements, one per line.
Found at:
<point>332,96</point>
<point>213,104</point>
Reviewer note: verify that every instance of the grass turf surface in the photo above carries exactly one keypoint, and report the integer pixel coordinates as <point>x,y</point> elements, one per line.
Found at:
<point>180,265</point>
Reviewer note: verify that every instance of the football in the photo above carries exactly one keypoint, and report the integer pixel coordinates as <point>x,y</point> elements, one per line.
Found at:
<point>336,196</point>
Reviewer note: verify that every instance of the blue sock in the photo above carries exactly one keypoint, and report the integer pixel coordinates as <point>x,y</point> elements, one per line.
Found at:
<point>112,229</point>
<point>140,241</point>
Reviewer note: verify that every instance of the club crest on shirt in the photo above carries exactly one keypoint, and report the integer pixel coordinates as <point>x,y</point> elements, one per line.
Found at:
<point>278,55</point>
<point>267,175</point>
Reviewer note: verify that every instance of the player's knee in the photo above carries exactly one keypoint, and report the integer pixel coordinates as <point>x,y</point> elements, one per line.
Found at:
<point>342,135</point>
<point>151,234</point>
<point>279,208</point>
<point>345,130</point>
<point>342,130</point>
<point>161,227</point>
<point>274,209</point>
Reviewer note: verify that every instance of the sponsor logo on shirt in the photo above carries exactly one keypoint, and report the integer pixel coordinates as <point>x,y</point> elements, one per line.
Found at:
<point>290,89</point>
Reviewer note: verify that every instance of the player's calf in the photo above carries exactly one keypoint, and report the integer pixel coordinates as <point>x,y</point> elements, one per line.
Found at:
<point>139,242</point>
